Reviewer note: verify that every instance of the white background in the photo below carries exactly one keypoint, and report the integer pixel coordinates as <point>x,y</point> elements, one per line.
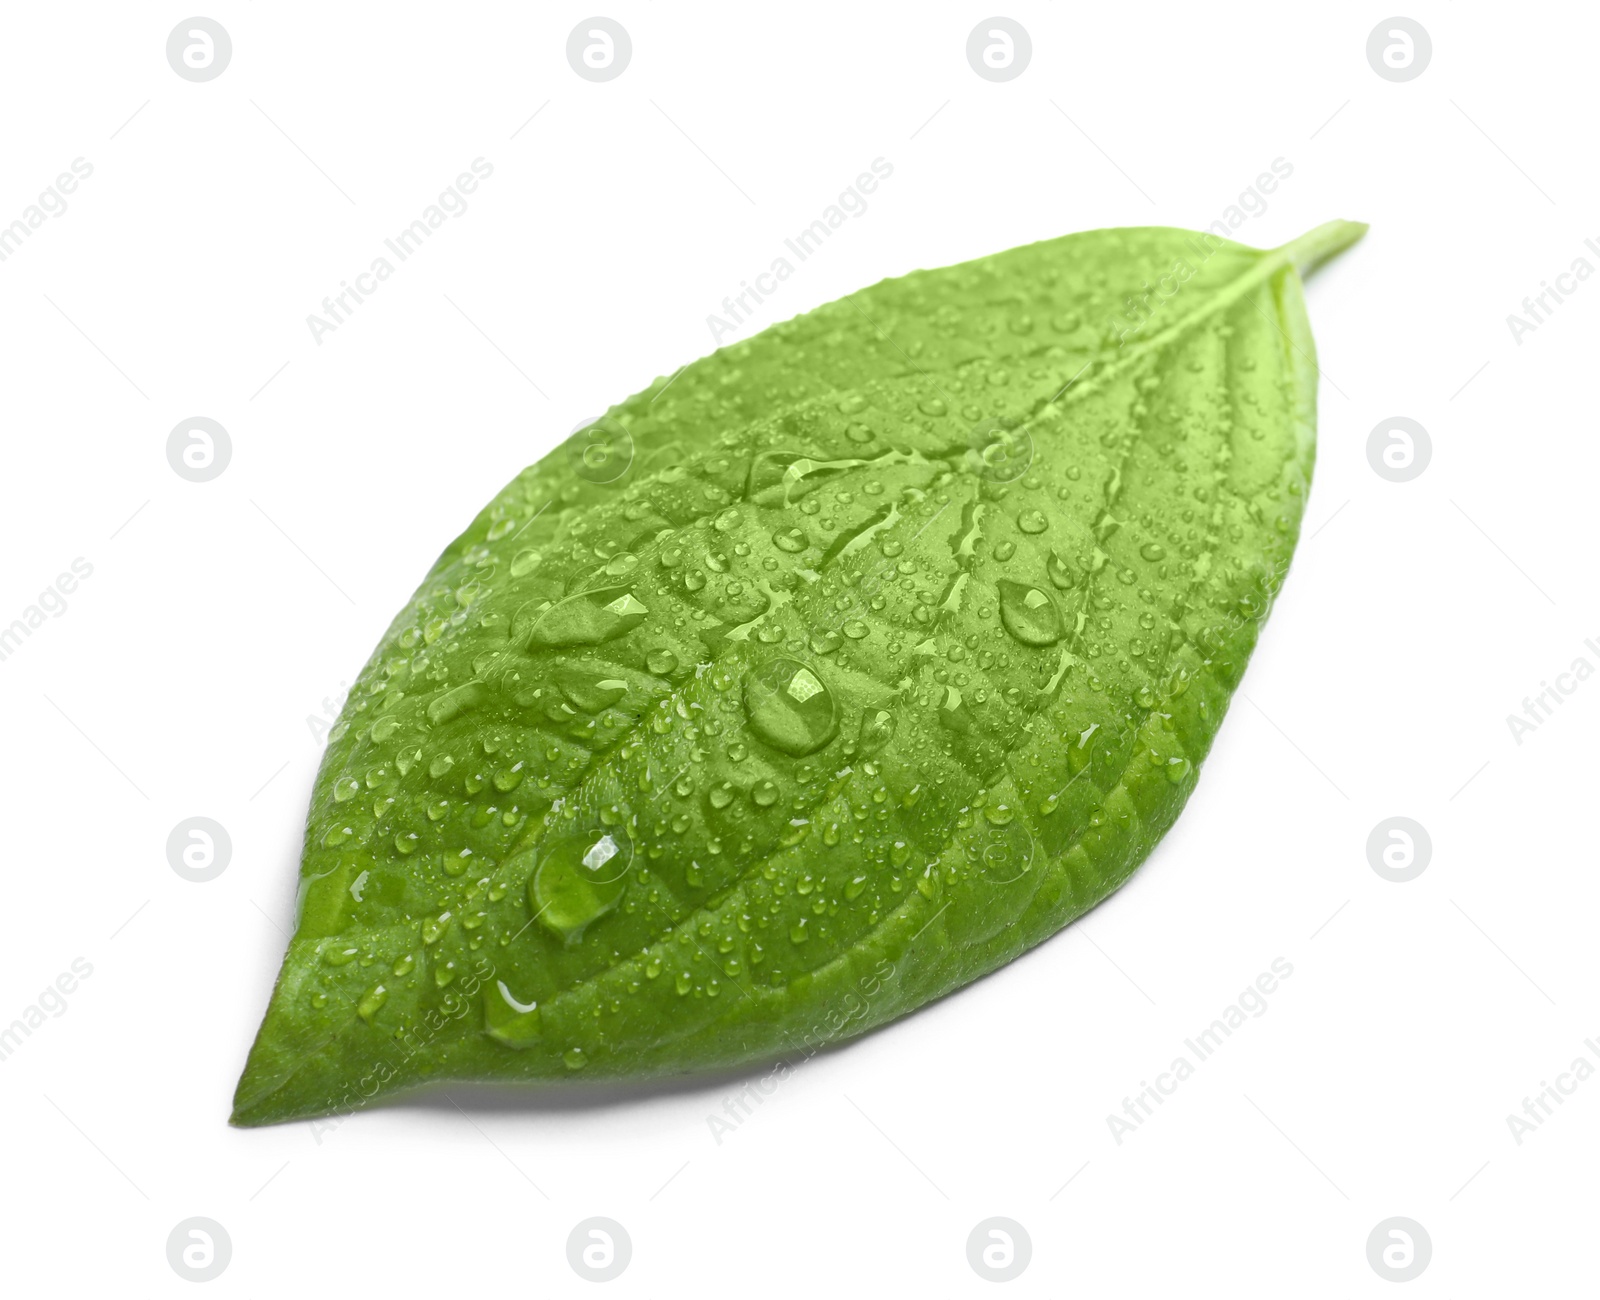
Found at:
<point>220,616</point>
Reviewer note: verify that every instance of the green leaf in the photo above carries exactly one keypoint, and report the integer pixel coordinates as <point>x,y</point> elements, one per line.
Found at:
<point>807,685</point>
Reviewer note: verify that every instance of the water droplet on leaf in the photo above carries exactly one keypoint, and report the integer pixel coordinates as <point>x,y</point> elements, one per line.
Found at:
<point>789,707</point>
<point>588,618</point>
<point>1029,614</point>
<point>581,876</point>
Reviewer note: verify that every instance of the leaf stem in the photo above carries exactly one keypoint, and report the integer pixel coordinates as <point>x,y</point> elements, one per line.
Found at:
<point>1315,247</point>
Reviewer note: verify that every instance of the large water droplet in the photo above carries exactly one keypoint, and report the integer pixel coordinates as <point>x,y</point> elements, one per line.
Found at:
<point>877,729</point>
<point>588,689</point>
<point>371,1000</point>
<point>588,618</point>
<point>954,713</point>
<point>789,707</point>
<point>456,700</point>
<point>581,876</point>
<point>1029,614</point>
<point>784,477</point>
<point>1059,571</point>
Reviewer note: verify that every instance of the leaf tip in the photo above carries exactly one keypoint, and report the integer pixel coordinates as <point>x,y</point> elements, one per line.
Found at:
<point>251,1099</point>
